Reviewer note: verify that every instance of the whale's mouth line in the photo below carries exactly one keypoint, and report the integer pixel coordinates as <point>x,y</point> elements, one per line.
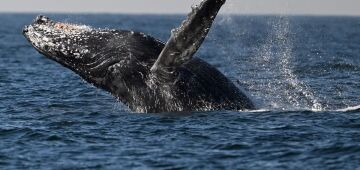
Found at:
<point>49,38</point>
<point>64,43</point>
<point>35,43</point>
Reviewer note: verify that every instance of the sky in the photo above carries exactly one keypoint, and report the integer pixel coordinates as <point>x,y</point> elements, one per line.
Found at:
<point>291,7</point>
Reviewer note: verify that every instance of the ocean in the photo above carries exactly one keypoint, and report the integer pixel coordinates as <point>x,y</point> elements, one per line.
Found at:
<point>302,72</point>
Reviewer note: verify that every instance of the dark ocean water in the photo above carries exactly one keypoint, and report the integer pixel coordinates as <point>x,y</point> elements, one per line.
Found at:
<point>303,73</point>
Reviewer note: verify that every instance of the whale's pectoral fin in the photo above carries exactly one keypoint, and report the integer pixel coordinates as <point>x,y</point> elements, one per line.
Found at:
<point>186,39</point>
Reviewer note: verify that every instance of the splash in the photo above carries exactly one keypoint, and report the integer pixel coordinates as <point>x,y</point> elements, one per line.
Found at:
<point>272,80</point>
<point>349,109</point>
<point>277,81</point>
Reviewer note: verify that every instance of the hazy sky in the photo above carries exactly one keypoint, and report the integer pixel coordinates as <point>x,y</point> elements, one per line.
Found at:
<point>313,7</point>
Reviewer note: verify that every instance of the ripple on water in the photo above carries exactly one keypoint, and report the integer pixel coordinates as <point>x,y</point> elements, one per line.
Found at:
<point>49,117</point>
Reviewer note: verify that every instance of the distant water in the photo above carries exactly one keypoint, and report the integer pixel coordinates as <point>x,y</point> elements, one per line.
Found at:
<point>303,73</point>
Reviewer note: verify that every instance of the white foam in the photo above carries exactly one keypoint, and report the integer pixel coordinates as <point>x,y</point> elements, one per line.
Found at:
<point>258,111</point>
<point>349,109</point>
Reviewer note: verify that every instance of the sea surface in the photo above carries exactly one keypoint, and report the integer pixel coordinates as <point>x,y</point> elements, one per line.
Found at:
<point>303,72</point>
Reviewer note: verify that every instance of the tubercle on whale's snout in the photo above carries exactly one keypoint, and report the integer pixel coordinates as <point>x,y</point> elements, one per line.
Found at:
<point>56,40</point>
<point>41,19</point>
<point>25,30</point>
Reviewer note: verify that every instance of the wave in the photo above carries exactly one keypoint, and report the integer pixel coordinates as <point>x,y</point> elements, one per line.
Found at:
<point>264,110</point>
<point>350,109</point>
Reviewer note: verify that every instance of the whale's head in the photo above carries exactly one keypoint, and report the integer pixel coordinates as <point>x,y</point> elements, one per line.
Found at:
<point>67,44</point>
<point>102,57</point>
<point>62,42</point>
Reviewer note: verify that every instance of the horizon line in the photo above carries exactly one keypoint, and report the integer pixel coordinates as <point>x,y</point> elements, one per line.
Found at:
<point>175,13</point>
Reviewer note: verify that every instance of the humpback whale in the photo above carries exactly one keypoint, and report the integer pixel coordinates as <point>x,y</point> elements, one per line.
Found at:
<point>142,72</point>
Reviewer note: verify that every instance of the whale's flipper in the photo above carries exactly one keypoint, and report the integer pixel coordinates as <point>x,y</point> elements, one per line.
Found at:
<point>186,39</point>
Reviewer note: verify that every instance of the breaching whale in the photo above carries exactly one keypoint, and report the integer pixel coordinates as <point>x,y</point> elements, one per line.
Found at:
<point>142,72</point>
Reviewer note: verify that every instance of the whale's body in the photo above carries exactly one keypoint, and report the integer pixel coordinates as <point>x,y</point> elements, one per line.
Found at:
<point>139,70</point>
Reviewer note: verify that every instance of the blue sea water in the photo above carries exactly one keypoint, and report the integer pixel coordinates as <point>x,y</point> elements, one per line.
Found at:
<point>302,72</point>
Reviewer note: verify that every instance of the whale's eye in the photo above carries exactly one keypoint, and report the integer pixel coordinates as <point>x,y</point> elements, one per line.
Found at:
<point>41,19</point>
<point>46,47</point>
